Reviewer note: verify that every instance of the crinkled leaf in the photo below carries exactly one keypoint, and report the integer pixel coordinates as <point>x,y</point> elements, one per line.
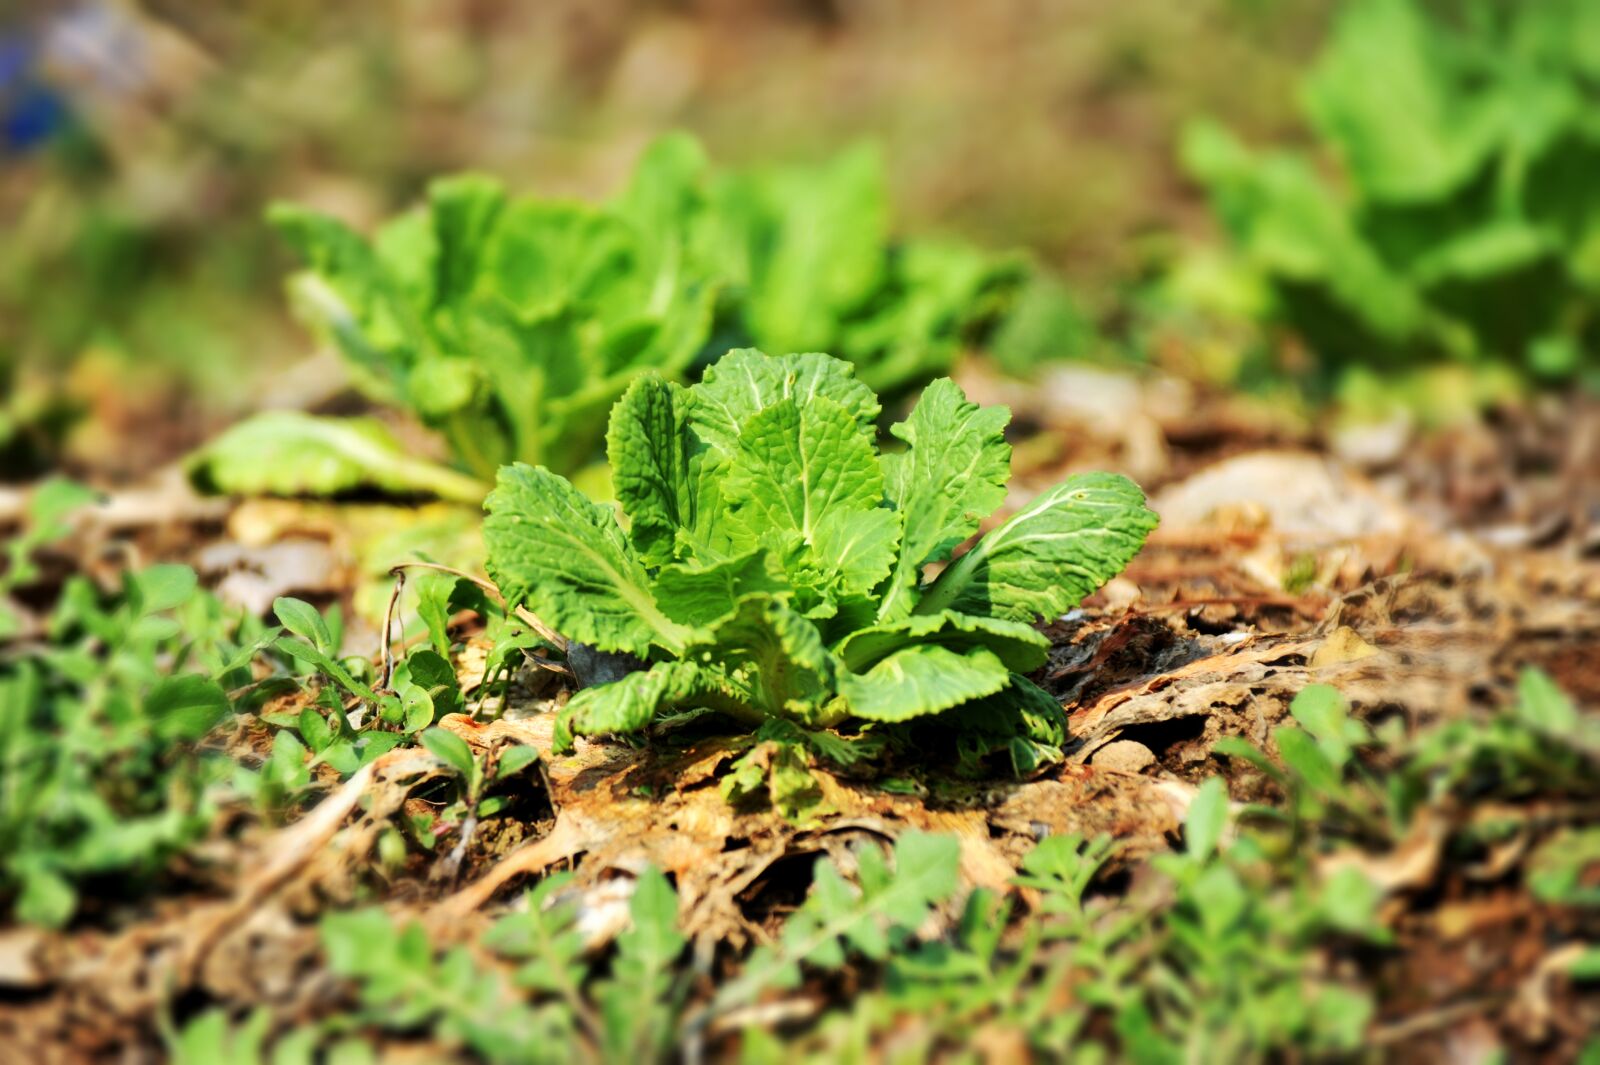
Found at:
<point>512,325</point>
<point>1019,645</point>
<point>677,332</point>
<point>746,777</point>
<point>853,550</point>
<point>746,381</point>
<point>407,248</point>
<point>1043,561</point>
<point>795,464</point>
<point>654,459</point>
<point>1294,229</point>
<point>747,622</point>
<point>1041,716</point>
<point>951,475</point>
<point>347,294</point>
<point>630,704</point>
<point>551,254</point>
<point>810,470</point>
<point>664,188</point>
<point>922,679</point>
<point>700,595</point>
<point>439,388</point>
<point>938,293</point>
<point>1022,719</point>
<point>533,366</point>
<point>569,561</point>
<point>1043,321</point>
<point>821,742</point>
<point>777,655</point>
<point>663,200</point>
<point>778,771</point>
<point>1487,254</point>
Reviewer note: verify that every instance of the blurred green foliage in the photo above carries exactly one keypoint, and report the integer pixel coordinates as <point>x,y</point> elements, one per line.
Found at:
<point>1467,222</point>
<point>100,772</point>
<point>136,280</point>
<point>110,763</point>
<point>512,324</point>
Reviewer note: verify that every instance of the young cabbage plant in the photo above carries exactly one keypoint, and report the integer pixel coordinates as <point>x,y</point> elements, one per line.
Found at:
<point>1468,221</point>
<point>775,565</point>
<point>512,324</point>
<point>812,264</point>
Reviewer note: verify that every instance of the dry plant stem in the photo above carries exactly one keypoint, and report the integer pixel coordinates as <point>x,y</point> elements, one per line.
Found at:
<point>767,1014</point>
<point>1222,600</point>
<point>566,838</point>
<point>292,849</point>
<point>450,868</point>
<point>523,615</point>
<point>1432,1020</point>
<point>399,575</point>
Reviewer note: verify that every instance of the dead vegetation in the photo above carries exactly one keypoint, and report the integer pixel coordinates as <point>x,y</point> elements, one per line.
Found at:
<point>1272,570</point>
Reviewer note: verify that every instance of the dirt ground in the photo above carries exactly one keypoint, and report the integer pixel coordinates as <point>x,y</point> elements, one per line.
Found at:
<point>1417,572</point>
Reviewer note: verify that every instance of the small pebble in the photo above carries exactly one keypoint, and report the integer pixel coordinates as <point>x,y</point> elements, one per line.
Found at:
<point>1129,756</point>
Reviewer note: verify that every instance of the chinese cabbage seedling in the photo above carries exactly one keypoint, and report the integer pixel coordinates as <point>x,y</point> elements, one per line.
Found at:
<point>773,562</point>
<point>511,324</point>
<point>1468,222</point>
<point>811,264</point>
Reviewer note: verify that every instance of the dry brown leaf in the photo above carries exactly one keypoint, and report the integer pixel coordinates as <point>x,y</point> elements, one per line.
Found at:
<point>1343,644</point>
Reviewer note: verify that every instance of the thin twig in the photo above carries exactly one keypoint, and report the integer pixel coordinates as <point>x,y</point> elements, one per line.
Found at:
<point>399,575</point>
<point>450,869</point>
<point>1434,1019</point>
<point>1229,600</point>
<point>765,1015</point>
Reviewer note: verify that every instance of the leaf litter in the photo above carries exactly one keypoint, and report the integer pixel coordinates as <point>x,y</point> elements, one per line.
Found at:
<point>1219,624</point>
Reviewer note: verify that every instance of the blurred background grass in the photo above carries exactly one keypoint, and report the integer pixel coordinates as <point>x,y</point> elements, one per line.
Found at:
<point>141,293</point>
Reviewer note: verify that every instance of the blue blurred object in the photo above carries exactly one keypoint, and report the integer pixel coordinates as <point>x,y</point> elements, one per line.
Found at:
<point>30,111</point>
